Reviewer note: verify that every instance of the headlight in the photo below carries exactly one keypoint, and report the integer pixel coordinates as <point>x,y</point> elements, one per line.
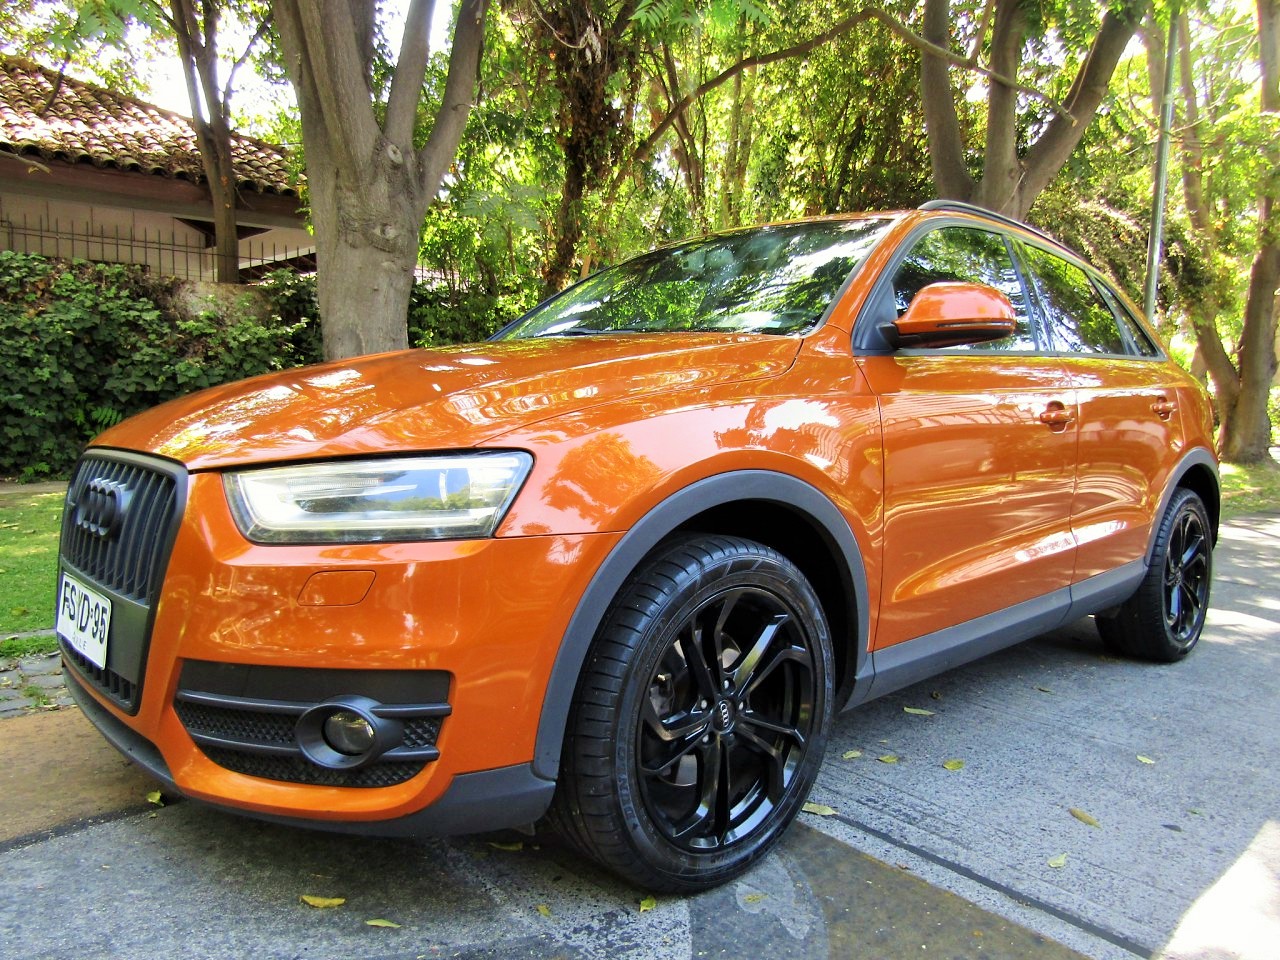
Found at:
<point>411,498</point>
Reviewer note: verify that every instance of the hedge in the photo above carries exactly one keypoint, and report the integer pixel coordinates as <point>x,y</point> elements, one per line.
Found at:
<point>84,345</point>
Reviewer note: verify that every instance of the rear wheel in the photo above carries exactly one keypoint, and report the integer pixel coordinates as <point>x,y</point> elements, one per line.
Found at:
<point>1162,621</point>
<point>700,719</point>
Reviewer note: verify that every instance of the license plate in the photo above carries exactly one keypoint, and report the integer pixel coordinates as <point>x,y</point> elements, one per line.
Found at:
<point>84,619</point>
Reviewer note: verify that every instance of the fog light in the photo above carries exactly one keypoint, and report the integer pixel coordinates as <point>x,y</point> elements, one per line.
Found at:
<point>349,733</point>
<point>346,733</point>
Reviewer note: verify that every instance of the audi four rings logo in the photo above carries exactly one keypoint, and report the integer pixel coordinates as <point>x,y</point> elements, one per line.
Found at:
<point>101,507</point>
<point>726,712</point>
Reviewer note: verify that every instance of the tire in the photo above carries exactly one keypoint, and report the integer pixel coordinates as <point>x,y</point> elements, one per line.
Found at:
<point>1162,621</point>
<point>700,718</point>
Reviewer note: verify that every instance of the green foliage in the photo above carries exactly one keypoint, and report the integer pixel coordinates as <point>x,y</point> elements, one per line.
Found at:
<point>83,345</point>
<point>439,316</point>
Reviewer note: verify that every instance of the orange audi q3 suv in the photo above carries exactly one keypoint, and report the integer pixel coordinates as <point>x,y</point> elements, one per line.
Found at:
<point>616,567</point>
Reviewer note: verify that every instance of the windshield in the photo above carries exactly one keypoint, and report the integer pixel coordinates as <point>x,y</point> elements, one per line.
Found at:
<point>777,280</point>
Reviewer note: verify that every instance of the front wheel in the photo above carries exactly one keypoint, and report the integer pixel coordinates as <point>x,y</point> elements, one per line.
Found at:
<point>1163,619</point>
<point>700,718</point>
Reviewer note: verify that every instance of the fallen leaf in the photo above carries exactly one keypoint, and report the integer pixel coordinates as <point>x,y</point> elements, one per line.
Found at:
<point>917,712</point>
<point>514,847</point>
<point>888,758</point>
<point>156,797</point>
<point>1086,818</point>
<point>647,904</point>
<point>544,910</point>
<point>851,755</point>
<point>1145,759</point>
<point>379,922</point>
<point>1195,813</point>
<point>322,903</point>
<point>818,809</point>
<point>754,897</point>
<point>953,764</point>
<point>1058,862</point>
<point>1044,689</point>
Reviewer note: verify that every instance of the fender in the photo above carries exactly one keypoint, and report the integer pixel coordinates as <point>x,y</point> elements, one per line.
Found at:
<point>735,487</point>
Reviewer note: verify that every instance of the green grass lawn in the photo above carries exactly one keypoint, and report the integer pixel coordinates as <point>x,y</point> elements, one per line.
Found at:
<point>1253,489</point>
<point>29,519</point>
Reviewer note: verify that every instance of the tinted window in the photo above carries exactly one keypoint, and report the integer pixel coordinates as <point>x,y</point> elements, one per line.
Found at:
<point>1079,319</point>
<point>969,256</point>
<point>771,280</point>
<point>1139,340</point>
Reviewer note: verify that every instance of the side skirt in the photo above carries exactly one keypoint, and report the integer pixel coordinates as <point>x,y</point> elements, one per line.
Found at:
<point>906,663</point>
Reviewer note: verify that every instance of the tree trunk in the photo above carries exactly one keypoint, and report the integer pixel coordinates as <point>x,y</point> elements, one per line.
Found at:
<point>1245,436</point>
<point>368,186</point>
<point>222,189</point>
<point>198,46</point>
<point>1246,433</point>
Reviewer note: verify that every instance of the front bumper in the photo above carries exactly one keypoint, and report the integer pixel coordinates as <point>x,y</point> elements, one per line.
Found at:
<point>487,616</point>
<point>473,803</point>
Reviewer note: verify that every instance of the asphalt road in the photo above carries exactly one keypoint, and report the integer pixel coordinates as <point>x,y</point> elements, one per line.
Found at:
<point>917,860</point>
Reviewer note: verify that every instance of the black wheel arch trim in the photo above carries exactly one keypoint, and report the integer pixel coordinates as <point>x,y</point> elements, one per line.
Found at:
<point>1196,459</point>
<point>740,486</point>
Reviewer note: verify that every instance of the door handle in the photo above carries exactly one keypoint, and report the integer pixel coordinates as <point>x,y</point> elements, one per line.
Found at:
<point>1056,416</point>
<point>1163,408</point>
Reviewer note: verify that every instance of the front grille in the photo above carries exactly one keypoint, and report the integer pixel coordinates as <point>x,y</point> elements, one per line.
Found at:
<point>122,514</point>
<point>130,558</point>
<point>108,681</point>
<point>239,717</point>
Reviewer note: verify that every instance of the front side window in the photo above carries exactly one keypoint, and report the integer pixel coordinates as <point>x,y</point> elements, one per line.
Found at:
<point>1079,319</point>
<point>776,280</point>
<point>966,255</point>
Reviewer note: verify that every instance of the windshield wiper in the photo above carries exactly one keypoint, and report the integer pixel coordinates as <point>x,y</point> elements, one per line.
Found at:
<point>594,331</point>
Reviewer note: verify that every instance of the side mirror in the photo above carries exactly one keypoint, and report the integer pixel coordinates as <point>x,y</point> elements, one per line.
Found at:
<point>950,314</point>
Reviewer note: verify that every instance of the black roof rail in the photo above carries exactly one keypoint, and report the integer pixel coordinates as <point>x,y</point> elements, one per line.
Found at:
<point>959,206</point>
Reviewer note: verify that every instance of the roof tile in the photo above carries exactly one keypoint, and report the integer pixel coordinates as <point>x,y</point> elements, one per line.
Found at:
<point>86,123</point>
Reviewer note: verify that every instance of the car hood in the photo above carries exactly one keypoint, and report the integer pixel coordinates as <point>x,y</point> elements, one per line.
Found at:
<point>448,398</point>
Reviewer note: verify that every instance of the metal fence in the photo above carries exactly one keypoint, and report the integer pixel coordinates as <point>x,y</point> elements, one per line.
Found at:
<point>171,255</point>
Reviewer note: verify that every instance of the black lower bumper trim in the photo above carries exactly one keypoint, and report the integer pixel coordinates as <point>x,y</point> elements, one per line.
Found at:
<point>474,803</point>
<point>137,748</point>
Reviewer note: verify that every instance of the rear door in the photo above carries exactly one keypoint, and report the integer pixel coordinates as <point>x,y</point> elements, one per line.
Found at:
<point>1127,398</point>
<point>979,451</point>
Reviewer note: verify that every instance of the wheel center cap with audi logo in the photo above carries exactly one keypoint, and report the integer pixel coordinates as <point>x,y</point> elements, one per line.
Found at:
<point>724,715</point>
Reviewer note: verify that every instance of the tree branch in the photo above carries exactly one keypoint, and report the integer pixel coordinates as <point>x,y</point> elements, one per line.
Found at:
<point>800,49</point>
<point>1047,155</point>
<point>459,91</point>
<point>411,72</point>
<point>258,34</point>
<point>329,54</point>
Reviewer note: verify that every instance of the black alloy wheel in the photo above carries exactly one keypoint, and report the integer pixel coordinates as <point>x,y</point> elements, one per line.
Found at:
<point>1163,619</point>
<point>729,713</point>
<point>1186,577</point>
<point>700,718</point>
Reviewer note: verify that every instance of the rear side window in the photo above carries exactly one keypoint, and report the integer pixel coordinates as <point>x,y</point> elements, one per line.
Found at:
<point>969,256</point>
<point>1139,339</point>
<point>1079,319</point>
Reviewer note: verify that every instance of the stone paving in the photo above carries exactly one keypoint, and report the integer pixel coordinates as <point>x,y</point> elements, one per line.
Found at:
<point>32,684</point>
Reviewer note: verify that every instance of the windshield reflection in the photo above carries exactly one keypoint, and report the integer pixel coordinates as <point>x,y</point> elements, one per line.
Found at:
<point>775,280</point>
